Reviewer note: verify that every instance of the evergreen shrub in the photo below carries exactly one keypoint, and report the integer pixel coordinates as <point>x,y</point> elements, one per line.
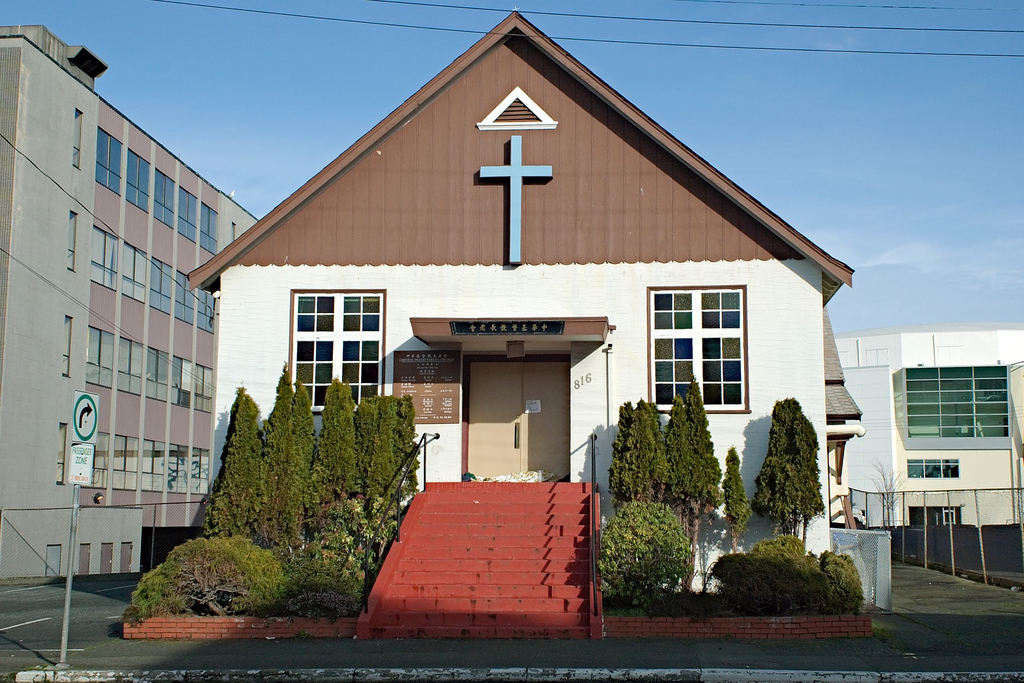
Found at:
<point>788,485</point>
<point>210,576</point>
<point>777,578</point>
<point>638,468</point>
<point>737,506</point>
<point>385,435</point>
<point>236,501</point>
<point>780,547</point>
<point>761,585</point>
<point>644,555</point>
<point>846,591</point>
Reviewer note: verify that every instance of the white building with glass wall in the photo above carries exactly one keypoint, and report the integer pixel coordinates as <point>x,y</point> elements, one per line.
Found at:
<point>942,407</point>
<point>99,225</point>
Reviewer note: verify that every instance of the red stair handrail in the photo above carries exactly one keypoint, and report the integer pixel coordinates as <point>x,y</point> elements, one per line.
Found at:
<point>595,512</point>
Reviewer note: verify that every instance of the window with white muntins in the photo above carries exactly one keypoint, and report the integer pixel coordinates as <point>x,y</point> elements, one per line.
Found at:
<point>338,335</point>
<point>699,333</point>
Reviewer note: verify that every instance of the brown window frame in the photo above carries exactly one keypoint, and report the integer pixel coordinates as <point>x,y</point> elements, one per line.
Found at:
<point>720,408</point>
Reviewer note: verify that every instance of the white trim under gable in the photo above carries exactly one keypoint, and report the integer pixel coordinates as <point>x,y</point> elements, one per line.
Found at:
<point>544,122</point>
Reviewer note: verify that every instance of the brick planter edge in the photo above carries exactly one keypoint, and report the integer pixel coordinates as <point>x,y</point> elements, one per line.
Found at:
<point>766,628</point>
<point>224,628</point>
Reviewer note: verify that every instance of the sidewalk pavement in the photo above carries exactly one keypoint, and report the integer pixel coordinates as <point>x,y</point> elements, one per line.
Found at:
<point>942,628</point>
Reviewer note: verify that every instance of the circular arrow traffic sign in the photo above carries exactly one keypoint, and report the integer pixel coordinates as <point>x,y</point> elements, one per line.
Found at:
<point>85,418</point>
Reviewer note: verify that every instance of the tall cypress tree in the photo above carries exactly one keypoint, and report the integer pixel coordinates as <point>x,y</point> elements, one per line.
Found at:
<point>788,485</point>
<point>236,501</point>
<point>737,507</point>
<point>638,468</point>
<point>305,440</point>
<point>405,440</point>
<point>373,446</point>
<point>693,470</point>
<point>278,526</point>
<point>334,465</point>
<point>385,438</point>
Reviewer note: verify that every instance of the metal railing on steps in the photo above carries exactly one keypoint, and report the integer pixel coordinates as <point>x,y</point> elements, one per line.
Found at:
<point>594,501</point>
<point>395,502</point>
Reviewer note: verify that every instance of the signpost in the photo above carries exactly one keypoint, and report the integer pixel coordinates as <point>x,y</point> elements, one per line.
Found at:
<point>85,418</point>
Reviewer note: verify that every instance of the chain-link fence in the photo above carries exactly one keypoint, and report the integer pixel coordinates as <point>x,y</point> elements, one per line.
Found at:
<point>870,551</point>
<point>972,531</point>
<point>111,539</point>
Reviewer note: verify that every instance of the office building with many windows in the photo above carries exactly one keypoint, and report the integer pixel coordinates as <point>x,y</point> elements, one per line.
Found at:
<point>99,225</point>
<point>942,407</point>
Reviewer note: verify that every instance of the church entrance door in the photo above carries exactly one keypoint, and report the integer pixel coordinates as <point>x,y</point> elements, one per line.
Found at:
<point>518,417</point>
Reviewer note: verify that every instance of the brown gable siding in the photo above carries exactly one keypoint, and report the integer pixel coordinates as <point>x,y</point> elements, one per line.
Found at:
<point>616,195</point>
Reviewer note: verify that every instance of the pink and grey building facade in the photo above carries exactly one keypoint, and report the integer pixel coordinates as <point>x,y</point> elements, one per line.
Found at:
<point>99,225</point>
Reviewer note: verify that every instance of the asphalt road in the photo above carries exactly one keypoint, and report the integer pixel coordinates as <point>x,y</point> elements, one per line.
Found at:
<point>939,623</point>
<point>31,615</point>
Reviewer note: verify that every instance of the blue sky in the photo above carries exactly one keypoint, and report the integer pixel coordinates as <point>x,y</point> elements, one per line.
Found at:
<point>909,168</point>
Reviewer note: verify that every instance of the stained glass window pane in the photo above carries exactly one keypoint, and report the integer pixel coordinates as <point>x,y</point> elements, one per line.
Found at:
<point>663,372</point>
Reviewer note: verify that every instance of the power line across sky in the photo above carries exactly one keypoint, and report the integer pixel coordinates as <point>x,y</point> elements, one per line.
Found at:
<point>638,42</point>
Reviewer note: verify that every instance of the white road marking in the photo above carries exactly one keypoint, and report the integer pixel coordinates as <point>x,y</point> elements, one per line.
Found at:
<point>115,588</point>
<point>33,588</point>
<point>24,623</point>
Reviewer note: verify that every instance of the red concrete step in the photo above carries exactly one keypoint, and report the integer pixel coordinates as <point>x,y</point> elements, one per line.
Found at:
<point>485,560</point>
<point>499,549</point>
<point>469,590</point>
<point>531,530</point>
<point>480,632</point>
<point>506,608</point>
<point>571,566</point>
<point>509,508</point>
<point>491,578</point>
<point>506,487</point>
<point>413,618</point>
<point>497,517</point>
<point>499,495</point>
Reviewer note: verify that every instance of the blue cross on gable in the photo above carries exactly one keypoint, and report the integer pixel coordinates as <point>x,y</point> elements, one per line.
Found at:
<point>516,173</point>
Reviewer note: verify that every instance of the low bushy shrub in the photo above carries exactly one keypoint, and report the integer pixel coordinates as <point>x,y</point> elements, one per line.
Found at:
<point>320,604</point>
<point>846,592</point>
<point>778,578</point>
<point>644,554</point>
<point>770,586</point>
<point>220,576</point>
<point>780,547</point>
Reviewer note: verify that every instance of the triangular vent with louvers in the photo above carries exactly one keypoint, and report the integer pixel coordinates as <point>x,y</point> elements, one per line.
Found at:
<point>517,112</point>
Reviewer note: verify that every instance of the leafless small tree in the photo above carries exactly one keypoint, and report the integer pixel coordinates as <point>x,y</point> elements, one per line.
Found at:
<point>888,484</point>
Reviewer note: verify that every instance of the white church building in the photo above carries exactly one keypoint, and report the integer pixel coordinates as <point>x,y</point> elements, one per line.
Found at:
<point>523,250</point>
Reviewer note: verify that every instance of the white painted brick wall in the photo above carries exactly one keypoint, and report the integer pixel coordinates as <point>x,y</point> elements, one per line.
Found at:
<point>784,332</point>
